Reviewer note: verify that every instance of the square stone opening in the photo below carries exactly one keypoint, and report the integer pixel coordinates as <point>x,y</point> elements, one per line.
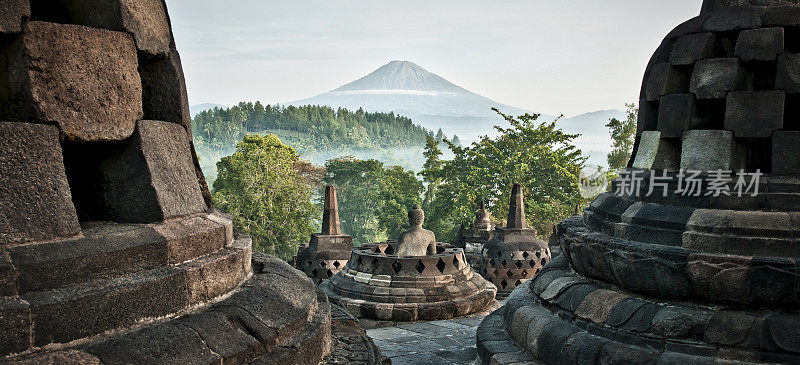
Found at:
<point>791,113</point>
<point>761,75</point>
<point>758,153</point>
<point>712,113</point>
<point>792,39</point>
<point>725,44</point>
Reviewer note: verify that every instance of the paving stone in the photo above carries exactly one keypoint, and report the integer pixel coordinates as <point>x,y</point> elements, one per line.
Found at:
<point>763,44</point>
<point>715,78</point>
<point>754,114</point>
<point>35,199</point>
<point>665,79</point>
<point>82,79</point>
<point>677,113</point>
<point>692,47</point>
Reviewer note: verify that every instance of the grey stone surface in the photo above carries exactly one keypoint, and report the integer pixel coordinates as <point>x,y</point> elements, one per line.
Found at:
<point>764,44</point>
<point>677,113</point>
<point>715,78</point>
<point>788,74</point>
<point>438,342</point>
<point>85,80</point>
<point>708,150</point>
<point>726,19</point>
<point>11,17</point>
<point>691,48</point>
<point>656,153</point>
<point>754,114</point>
<point>153,178</point>
<point>35,199</point>
<point>665,79</point>
<point>785,152</point>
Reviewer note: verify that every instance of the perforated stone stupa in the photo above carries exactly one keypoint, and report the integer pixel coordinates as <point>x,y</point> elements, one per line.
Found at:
<point>665,277</point>
<point>327,252</point>
<point>109,252</point>
<point>380,285</point>
<point>473,238</point>
<point>515,254</point>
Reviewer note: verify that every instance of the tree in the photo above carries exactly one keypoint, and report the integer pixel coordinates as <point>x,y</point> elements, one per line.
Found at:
<point>267,189</point>
<point>439,135</point>
<point>623,134</point>
<point>539,156</point>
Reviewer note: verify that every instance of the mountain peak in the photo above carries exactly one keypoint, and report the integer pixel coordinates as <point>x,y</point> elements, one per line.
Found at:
<point>401,75</point>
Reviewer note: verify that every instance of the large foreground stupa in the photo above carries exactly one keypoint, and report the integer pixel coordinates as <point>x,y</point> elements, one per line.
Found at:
<point>694,258</point>
<point>109,252</point>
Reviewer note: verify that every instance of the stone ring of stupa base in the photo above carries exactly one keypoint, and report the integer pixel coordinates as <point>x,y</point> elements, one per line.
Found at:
<point>378,285</point>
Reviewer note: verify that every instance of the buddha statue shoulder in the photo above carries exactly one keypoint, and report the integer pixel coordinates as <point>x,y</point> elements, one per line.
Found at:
<point>416,241</point>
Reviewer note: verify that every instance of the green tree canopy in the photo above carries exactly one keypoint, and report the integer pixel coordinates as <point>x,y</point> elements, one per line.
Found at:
<point>623,134</point>
<point>268,189</point>
<point>539,156</point>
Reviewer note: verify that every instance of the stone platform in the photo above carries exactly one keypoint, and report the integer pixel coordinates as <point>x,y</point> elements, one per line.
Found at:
<point>378,285</point>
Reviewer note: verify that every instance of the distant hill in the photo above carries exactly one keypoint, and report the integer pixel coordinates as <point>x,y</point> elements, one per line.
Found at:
<point>196,109</point>
<point>433,102</point>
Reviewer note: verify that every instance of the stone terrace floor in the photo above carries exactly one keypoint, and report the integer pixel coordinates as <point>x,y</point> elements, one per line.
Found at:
<point>438,342</point>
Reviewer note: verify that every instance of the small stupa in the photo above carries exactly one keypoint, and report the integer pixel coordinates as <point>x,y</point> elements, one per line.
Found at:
<point>515,254</point>
<point>473,238</point>
<point>328,251</point>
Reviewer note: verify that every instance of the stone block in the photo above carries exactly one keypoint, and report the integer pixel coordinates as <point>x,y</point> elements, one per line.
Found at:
<point>655,153</point>
<point>35,199</point>
<point>742,17</point>
<point>665,79</point>
<point>785,149</point>
<point>16,326</point>
<point>11,17</point>
<point>733,329</point>
<point>598,304</point>
<point>677,113</point>
<point>781,332</point>
<point>82,79</point>
<point>190,238</point>
<point>623,311</point>
<point>680,323</point>
<point>705,150</point>
<point>788,74</point>
<point>754,114</point>
<point>692,48</point>
<point>153,178</point>
<point>720,277</point>
<point>647,118</point>
<point>145,20</point>
<point>763,44</point>
<point>772,281</point>
<point>164,95</point>
<point>715,78</point>
<point>782,16</point>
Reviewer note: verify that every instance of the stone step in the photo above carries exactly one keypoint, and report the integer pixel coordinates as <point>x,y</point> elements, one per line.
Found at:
<point>81,310</point>
<point>110,249</point>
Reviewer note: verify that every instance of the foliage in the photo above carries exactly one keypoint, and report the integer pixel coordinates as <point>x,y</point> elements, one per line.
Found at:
<point>541,157</point>
<point>623,134</point>
<point>268,189</point>
<point>373,199</point>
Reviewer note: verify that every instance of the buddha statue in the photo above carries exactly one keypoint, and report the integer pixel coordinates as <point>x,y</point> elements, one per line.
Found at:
<point>416,241</point>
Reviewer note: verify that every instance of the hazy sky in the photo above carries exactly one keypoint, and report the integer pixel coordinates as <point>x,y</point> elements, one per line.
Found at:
<point>553,57</point>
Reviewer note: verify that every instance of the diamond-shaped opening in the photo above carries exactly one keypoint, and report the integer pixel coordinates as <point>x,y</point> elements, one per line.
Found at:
<point>517,283</point>
<point>375,265</point>
<point>457,262</point>
<point>491,262</point>
<point>440,265</point>
<point>544,261</point>
<point>533,263</point>
<point>329,273</point>
<point>503,264</point>
<point>518,264</point>
<point>314,272</point>
<point>396,267</point>
<point>358,262</point>
<point>524,273</point>
<point>322,263</point>
<point>420,267</point>
<point>389,250</point>
<point>503,284</point>
<point>525,255</point>
<point>538,254</point>
<point>535,272</point>
<point>511,255</point>
<point>496,273</point>
<point>336,264</point>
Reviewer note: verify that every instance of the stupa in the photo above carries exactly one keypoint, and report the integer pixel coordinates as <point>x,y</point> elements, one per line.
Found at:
<point>515,254</point>
<point>436,283</point>
<point>473,238</point>
<point>327,252</point>
<point>109,250</point>
<point>699,263</point>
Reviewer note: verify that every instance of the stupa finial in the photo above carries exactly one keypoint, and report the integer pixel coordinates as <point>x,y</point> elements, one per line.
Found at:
<point>516,209</point>
<point>330,217</point>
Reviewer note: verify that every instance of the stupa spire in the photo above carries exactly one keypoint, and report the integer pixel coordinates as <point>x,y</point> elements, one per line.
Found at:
<point>330,217</point>
<point>516,209</point>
